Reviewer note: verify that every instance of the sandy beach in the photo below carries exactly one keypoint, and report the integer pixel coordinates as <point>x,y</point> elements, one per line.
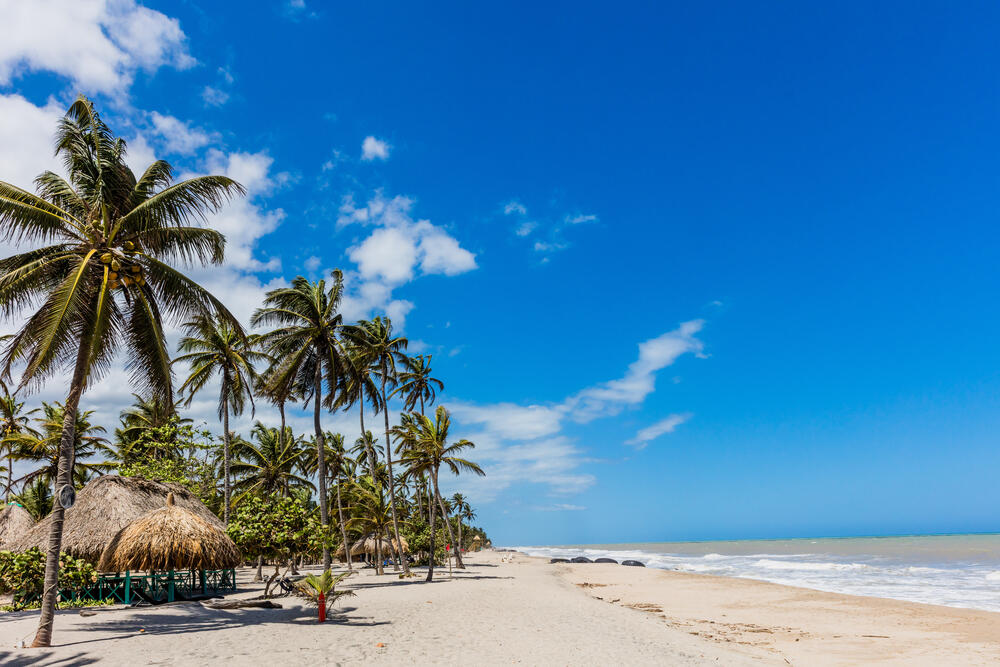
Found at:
<point>527,612</point>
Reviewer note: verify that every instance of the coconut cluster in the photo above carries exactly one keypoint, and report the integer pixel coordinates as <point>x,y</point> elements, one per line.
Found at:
<point>123,275</point>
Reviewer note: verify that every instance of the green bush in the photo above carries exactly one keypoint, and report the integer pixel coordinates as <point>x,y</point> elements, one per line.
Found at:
<point>24,573</point>
<point>68,604</point>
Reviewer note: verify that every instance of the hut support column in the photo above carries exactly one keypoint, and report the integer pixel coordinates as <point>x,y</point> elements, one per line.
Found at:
<point>128,587</point>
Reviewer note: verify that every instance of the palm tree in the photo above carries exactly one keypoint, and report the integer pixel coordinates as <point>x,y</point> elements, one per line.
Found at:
<point>383,351</point>
<point>358,389</point>
<point>144,415</point>
<point>431,450</point>
<point>365,447</point>
<point>43,446</point>
<point>309,353</point>
<point>462,510</point>
<point>416,384</point>
<point>268,466</point>
<point>105,280</point>
<point>214,346</point>
<point>37,499</point>
<point>371,514</point>
<point>14,422</point>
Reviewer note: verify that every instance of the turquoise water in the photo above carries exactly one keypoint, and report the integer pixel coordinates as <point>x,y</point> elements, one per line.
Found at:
<point>953,570</point>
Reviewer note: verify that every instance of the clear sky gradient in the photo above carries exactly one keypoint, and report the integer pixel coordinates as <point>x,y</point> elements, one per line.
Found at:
<point>812,190</point>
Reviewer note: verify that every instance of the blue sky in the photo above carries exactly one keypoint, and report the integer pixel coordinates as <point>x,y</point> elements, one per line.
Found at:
<point>687,270</point>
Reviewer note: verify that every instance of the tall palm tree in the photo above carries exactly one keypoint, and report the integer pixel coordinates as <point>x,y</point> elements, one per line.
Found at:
<point>365,447</point>
<point>310,355</point>
<point>383,351</point>
<point>215,347</point>
<point>462,510</point>
<point>14,422</point>
<point>37,499</point>
<point>416,384</point>
<point>358,389</point>
<point>144,415</point>
<point>104,280</point>
<point>371,514</point>
<point>266,464</point>
<point>43,446</point>
<point>431,451</point>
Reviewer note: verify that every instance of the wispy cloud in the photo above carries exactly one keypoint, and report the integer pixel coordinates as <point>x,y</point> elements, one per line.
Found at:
<point>551,228</point>
<point>654,431</point>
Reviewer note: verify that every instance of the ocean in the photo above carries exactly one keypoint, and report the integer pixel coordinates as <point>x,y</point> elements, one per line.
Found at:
<point>952,570</point>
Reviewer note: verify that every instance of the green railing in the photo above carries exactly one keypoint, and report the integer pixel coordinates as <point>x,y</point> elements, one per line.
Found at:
<point>153,587</point>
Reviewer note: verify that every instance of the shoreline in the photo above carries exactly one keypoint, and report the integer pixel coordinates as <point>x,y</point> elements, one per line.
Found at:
<point>507,607</point>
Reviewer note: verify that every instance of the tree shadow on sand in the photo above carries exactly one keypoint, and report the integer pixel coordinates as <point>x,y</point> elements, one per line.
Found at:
<point>359,586</point>
<point>38,658</point>
<point>201,619</point>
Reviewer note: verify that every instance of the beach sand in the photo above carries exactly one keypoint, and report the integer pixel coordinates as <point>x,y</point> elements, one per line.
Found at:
<point>528,612</point>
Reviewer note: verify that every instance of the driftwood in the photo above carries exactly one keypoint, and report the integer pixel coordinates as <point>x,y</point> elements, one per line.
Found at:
<point>240,604</point>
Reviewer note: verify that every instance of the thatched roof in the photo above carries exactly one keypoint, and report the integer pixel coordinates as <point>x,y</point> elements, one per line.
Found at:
<point>368,545</point>
<point>169,538</point>
<point>14,522</point>
<point>104,507</point>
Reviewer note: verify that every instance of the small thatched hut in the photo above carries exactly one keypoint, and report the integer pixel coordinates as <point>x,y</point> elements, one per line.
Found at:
<point>15,521</point>
<point>103,508</point>
<point>170,538</point>
<point>368,545</point>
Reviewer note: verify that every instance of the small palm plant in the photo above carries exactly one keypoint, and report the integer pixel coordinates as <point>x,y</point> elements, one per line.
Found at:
<point>319,588</point>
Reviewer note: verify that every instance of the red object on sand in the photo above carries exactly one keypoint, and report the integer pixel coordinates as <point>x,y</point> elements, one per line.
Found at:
<point>322,608</point>
<point>447,547</point>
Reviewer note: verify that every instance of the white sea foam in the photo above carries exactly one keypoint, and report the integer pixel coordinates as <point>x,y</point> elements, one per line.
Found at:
<point>902,569</point>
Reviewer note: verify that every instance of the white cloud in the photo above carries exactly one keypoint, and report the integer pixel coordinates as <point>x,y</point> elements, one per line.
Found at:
<point>214,97</point>
<point>517,444</point>
<point>514,207</point>
<point>374,149</point>
<point>394,253</point>
<point>580,218</point>
<point>508,420</point>
<point>662,427</point>
<point>177,136</point>
<point>525,228</point>
<point>654,354</point>
<point>27,133</point>
<point>312,263</point>
<point>560,507</point>
<point>97,44</point>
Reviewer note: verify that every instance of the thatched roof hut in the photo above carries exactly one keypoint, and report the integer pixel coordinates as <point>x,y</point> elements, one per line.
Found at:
<point>15,521</point>
<point>103,508</point>
<point>368,545</point>
<point>170,538</point>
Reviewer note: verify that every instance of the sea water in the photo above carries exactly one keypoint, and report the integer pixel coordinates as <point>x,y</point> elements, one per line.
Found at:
<point>952,570</point>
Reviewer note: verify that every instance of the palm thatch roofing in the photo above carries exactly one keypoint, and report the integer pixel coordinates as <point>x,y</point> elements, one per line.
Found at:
<point>170,538</point>
<point>14,522</point>
<point>367,545</point>
<point>105,506</point>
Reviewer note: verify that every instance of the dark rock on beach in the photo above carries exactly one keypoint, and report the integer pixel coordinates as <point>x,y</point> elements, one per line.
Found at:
<point>558,560</point>
<point>581,559</point>
<point>632,563</point>
<point>606,560</point>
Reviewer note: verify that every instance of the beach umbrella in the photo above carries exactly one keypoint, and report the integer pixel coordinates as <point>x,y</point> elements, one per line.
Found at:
<point>15,521</point>
<point>170,538</point>
<point>105,506</point>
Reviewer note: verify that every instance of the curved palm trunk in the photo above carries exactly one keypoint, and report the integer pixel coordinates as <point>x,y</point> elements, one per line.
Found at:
<point>321,464</point>
<point>343,530</point>
<point>398,546</point>
<point>65,467</point>
<point>369,452</point>
<point>447,524</point>
<point>430,566</point>
<point>225,460</point>
<point>459,549</point>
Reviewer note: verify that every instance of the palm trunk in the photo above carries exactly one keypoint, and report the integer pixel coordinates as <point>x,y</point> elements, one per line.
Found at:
<point>398,546</point>
<point>343,530</point>
<point>430,566</point>
<point>324,517</point>
<point>369,452</point>
<point>459,517</point>
<point>65,476</point>
<point>225,460</point>
<point>447,524</point>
